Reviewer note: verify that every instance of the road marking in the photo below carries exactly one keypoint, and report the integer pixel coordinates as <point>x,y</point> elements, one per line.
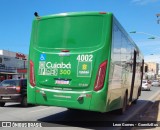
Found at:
<point>41,109</point>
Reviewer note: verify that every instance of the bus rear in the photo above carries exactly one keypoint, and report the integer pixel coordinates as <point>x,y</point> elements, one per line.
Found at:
<point>69,60</point>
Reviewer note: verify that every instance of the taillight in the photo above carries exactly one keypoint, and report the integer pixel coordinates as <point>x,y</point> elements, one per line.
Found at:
<point>102,12</point>
<point>32,76</point>
<point>100,76</point>
<point>65,51</point>
<point>18,89</point>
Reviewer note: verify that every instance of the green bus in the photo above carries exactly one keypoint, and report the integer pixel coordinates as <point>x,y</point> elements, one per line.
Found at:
<point>85,61</point>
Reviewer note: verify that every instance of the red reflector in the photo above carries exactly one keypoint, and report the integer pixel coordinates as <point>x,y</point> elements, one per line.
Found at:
<point>100,76</point>
<point>102,12</point>
<point>37,91</point>
<point>32,76</point>
<point>65,51</point>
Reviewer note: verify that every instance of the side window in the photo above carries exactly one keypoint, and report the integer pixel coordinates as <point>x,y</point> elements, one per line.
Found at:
<point>116,47</point>
<point>123,50</point>
<point>116,66</point>
<point>129,57</point>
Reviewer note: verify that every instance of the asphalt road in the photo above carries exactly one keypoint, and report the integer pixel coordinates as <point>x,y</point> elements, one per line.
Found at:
<point>67,119</point>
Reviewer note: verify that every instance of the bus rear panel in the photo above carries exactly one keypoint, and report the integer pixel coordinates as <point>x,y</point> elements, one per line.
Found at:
<point>72,64</point>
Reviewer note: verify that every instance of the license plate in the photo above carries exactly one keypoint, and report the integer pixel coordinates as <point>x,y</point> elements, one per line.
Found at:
<point>6,98</point>
<point>61,81</point>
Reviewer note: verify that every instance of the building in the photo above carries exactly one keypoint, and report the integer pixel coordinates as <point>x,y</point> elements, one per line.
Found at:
<point>153,69</point>
<point>12,65</point>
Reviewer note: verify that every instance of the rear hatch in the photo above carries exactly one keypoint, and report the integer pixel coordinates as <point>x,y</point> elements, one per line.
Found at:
<point>65,50</point>
<point>65,69</point>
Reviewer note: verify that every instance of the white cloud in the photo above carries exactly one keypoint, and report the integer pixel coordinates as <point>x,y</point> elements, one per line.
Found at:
<point>144,2</point>
<point>152,58</point>
<point>136,1</point>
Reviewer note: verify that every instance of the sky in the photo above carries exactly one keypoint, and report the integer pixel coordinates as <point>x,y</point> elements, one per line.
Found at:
<point>134,15</point>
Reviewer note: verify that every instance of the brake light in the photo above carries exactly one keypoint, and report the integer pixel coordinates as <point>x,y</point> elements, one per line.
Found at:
<point>32,76</point>
<point>100,76</point>
<point>102,12</point>
<point>65,51</point>
<point>18,89</point>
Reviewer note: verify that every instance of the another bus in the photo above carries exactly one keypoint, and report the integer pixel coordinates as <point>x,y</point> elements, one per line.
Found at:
<point>83,61</point>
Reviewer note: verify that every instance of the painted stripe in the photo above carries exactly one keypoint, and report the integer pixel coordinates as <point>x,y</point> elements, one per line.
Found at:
<point>40,109</point>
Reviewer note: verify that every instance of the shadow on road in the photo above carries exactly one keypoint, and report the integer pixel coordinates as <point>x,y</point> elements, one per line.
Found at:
<point>148,119</point>
<point>79,118</point>
<point>89,119</point>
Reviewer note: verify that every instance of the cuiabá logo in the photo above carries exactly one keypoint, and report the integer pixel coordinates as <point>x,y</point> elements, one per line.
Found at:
<point>58,65</point>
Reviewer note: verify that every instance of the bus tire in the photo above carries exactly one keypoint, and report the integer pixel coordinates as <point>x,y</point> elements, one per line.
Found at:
<point>2,104</point>
<point>139,93</point>
<point>122,110</point>
<point>24,101</point>
<point>135,101</point>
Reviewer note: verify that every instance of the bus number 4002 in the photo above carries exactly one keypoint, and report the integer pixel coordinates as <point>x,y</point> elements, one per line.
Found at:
<point>85,58</point>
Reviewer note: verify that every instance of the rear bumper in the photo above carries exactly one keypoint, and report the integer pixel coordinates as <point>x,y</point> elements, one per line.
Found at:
<point>85,100</point>
<point>68,99</point>
<point>146,88</point>
<point>10,97</point>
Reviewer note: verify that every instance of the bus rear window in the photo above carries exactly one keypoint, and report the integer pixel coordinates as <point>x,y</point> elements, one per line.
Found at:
<point>69,32</point>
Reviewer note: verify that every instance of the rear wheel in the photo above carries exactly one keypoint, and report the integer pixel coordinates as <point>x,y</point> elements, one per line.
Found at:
<point>123,109</point>
<point>2,104</point>
<point>135,101</point>
<point>24,101</point>
<point>139,93</point>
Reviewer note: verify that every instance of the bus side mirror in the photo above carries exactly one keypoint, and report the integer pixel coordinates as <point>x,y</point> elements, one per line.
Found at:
<point>146,69</point>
